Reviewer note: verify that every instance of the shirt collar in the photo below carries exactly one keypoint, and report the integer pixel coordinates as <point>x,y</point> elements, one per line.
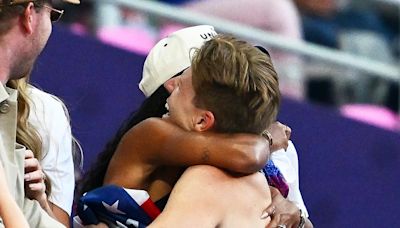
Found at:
<point>7,93</point>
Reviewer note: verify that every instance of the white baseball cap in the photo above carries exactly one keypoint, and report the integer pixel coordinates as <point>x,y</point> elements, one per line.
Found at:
<point>171,55</point>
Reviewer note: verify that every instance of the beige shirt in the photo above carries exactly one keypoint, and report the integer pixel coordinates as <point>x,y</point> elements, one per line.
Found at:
<point>12,156</point>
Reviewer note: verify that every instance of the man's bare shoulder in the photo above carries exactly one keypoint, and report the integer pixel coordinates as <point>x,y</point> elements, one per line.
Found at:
<point>205,185</point>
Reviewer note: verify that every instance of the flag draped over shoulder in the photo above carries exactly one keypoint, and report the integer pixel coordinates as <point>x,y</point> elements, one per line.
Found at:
<point>275,178</point>
<point>117,206</point>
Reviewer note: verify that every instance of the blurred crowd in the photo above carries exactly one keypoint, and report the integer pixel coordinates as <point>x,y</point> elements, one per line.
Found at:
<point>363,28</point>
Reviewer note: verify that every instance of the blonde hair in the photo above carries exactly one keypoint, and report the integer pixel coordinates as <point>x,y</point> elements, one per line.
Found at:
<point>26,133</point>
<point>238,83</point>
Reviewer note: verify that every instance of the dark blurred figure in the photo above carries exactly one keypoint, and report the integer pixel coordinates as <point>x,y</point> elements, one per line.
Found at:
<point>324,20</point>
<point>357,27</point>
<point>81,19</point>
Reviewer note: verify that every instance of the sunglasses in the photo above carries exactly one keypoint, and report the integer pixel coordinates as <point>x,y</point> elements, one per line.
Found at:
<point>55,14</point>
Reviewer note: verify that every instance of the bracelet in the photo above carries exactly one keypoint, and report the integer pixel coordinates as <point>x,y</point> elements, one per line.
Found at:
<point>267,136</point>
<point>302,219</point>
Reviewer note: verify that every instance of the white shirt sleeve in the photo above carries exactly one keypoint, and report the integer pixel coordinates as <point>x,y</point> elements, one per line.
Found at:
<point>49,118</point>
<point>288,164</point>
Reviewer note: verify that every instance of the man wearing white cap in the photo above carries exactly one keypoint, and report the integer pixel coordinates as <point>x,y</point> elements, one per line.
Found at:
<point>25,27</point>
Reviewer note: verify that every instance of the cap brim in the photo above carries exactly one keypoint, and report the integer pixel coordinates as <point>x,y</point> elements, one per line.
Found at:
<point>72,1</point>
<point>26,1</point>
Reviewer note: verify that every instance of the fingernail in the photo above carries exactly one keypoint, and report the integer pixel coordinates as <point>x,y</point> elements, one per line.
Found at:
<point>264,215</point>
<point>27,177</point>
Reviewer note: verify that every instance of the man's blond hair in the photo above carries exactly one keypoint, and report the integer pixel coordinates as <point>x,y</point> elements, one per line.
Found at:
<point>238,83</point>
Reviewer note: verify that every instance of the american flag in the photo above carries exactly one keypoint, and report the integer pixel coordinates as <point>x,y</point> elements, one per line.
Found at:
<point>275,178</point>
<point>117,206</point>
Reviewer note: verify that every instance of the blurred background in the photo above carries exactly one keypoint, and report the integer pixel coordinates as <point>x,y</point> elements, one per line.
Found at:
<point>338,63</point>
<point>334,52</point>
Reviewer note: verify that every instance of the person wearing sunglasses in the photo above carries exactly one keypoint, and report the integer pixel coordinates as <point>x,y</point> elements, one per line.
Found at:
<point>25,27</point>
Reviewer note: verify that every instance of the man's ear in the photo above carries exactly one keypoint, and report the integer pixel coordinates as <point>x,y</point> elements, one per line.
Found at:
<point>205,121</point>
<point>27,18</point>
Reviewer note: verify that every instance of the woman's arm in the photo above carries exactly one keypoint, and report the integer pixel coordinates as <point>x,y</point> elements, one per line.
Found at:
<point>160,142</point>
<point>10,213</point>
